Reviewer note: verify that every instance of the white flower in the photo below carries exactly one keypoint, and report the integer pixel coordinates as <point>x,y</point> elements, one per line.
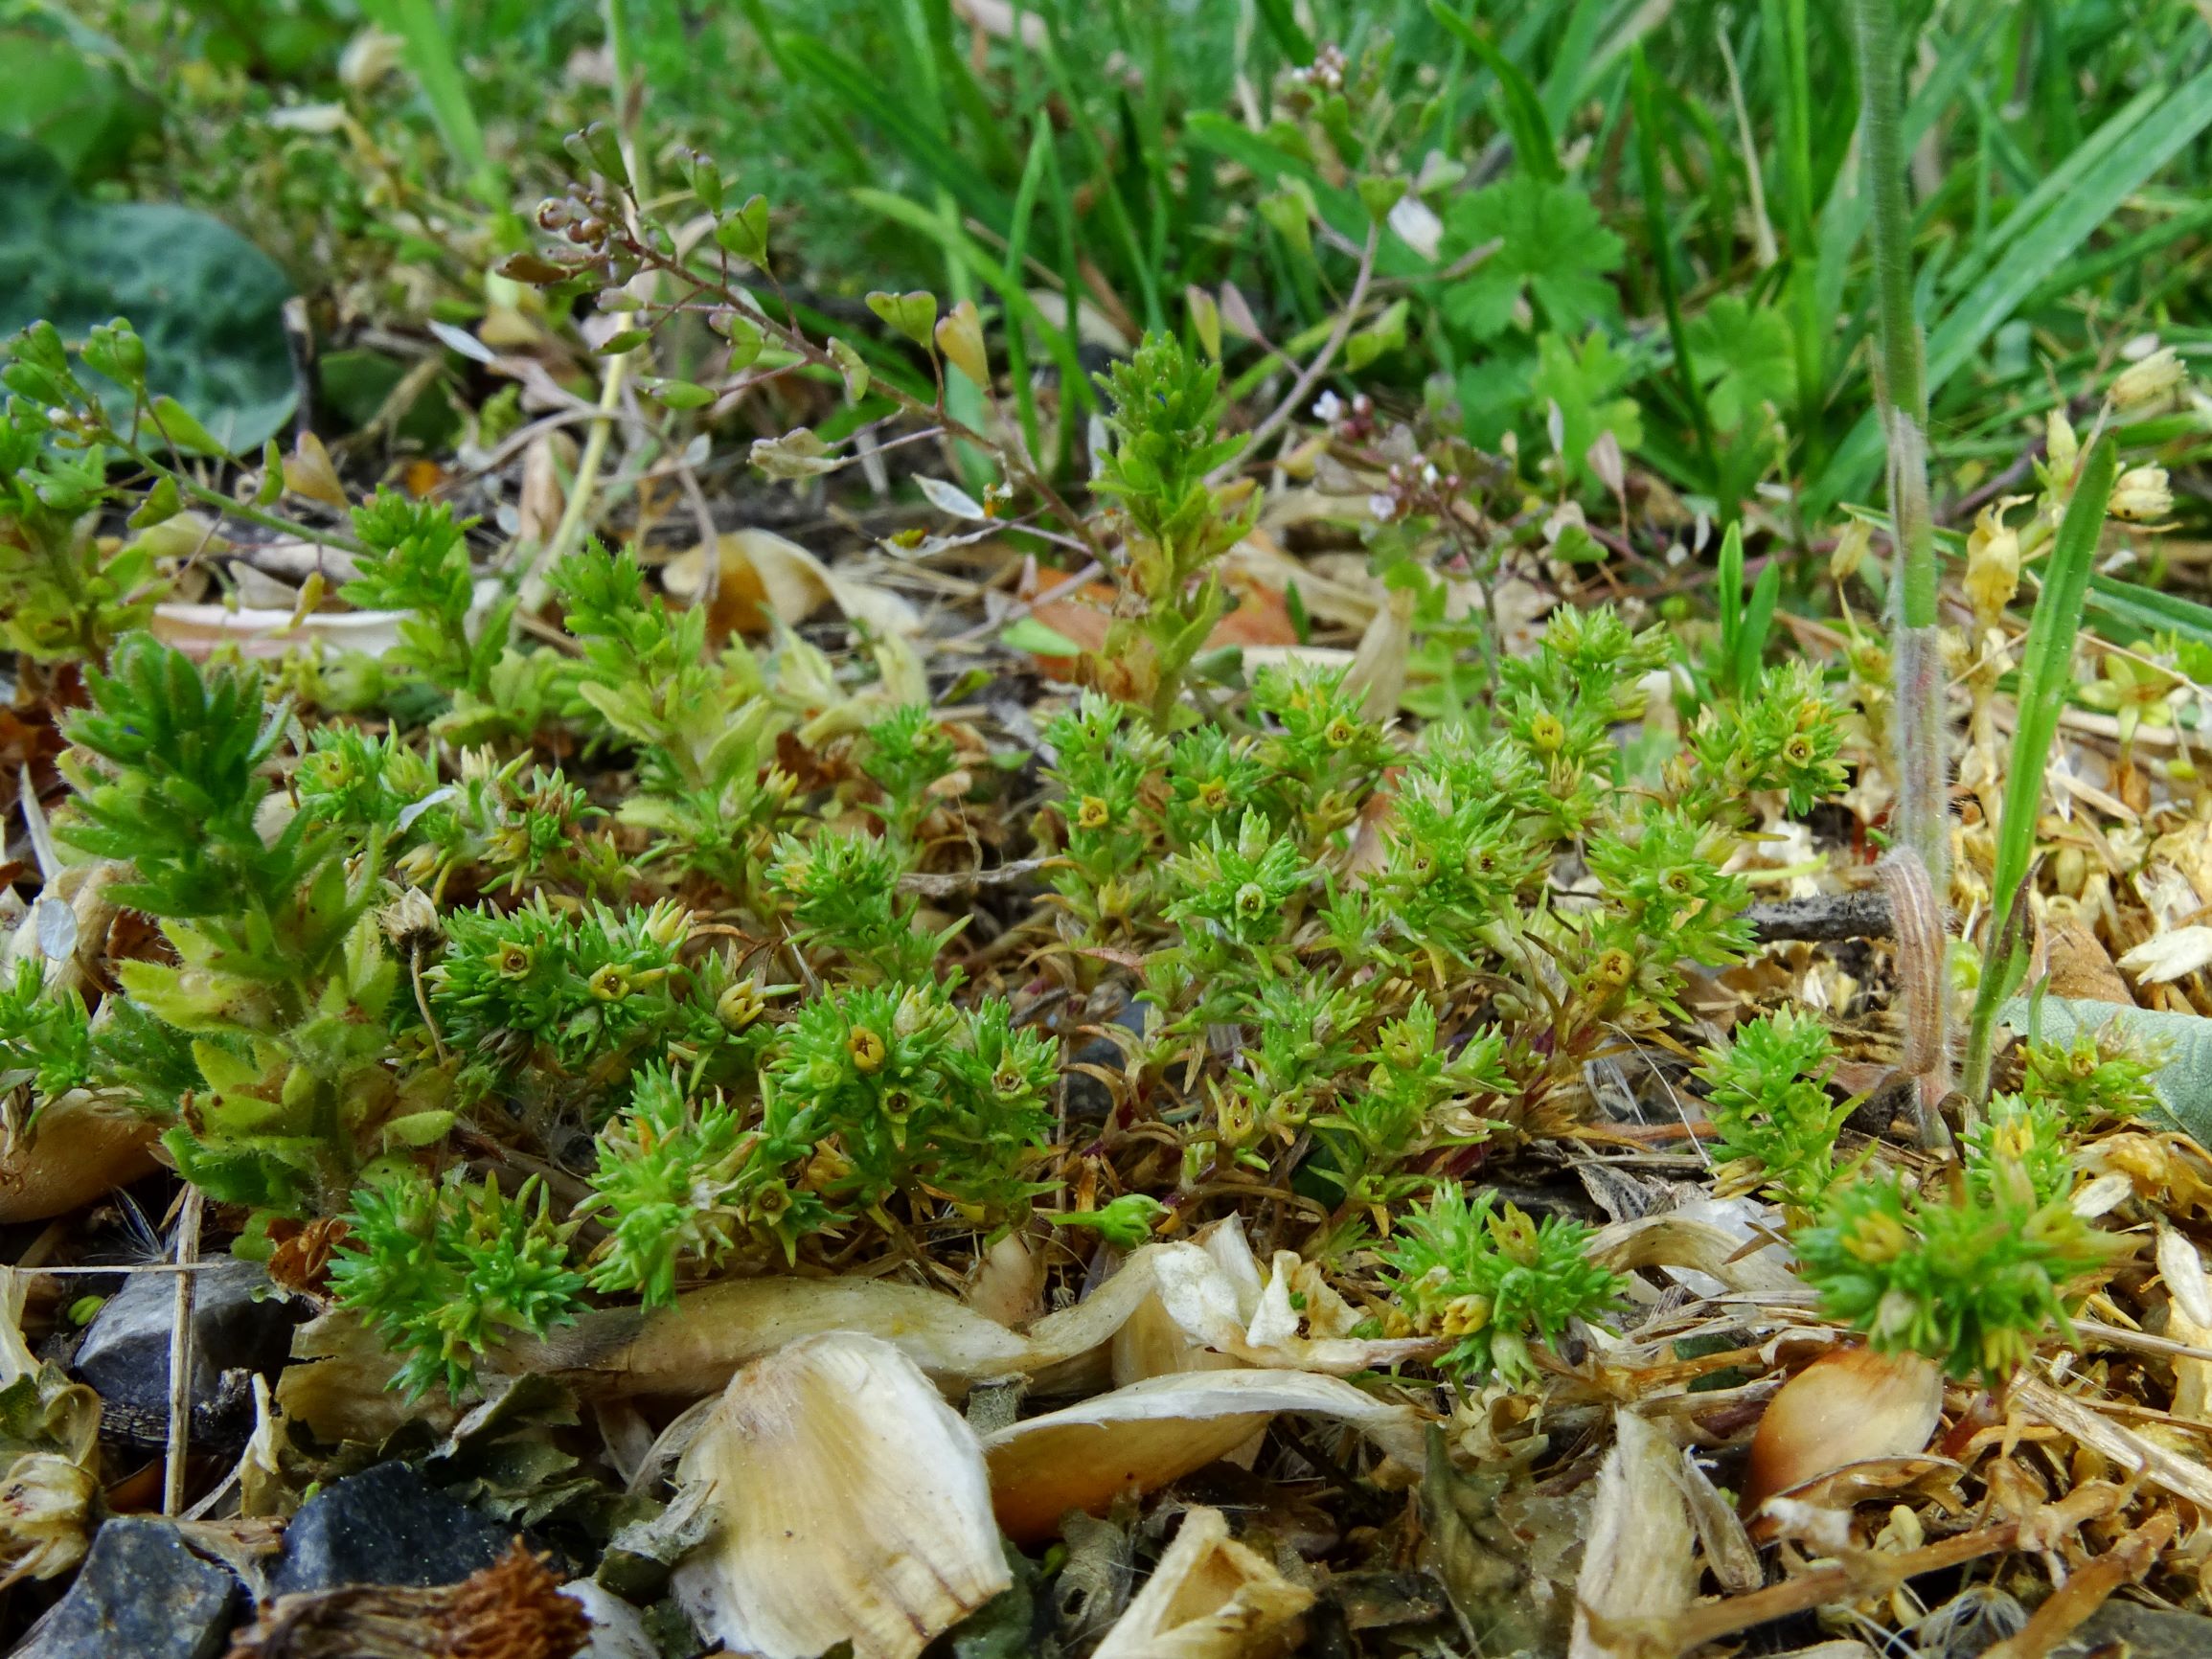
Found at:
<point>1329,408</point>
<point>2141,494</point>
<point>2148,380</point>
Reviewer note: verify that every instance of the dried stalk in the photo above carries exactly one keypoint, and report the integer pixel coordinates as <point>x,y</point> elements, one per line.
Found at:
<point>2087,1590</point>
<point>1860,1574</point>
<point>180,1359</point>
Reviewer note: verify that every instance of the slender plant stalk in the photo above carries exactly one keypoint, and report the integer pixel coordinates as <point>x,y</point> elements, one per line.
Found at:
<point>2046,669</point>
<point>1645,100</point>
<point>1900,392</point>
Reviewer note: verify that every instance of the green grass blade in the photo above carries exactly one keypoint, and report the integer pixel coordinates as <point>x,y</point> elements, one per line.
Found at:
<point>1562,86</point>
<point>1758,620</point>
<point>2122,168</point>
<point>1522,111</point>
<point>1297,46</point>
<point>430,54</point>
<point>1646,102</point>
<point>2150,611</point>
<point>1016,252</point>
<point>2047,662</point>
<point>848,84</point>
<point>2061,182</point>
<point>2046,673</point>
<point>1728,588</point>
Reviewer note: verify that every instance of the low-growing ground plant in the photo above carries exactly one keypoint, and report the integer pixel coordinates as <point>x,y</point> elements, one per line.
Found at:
<point>1245,675</point>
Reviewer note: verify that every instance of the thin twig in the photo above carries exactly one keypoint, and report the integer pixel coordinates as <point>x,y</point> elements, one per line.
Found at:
<point>1861,1572</point>
<point>1319,366</point>
<point>1075,583</point>
<point>180,1356</point>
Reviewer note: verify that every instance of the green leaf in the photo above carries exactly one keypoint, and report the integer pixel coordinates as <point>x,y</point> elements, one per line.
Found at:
<point>2184,1082</point>
<point>65,92</point>
<point>853,368</point>
<point>2148,609</point>
<point>678,394</point>
<point>1584,382</point>
<point>1386,334</point>
<point>1031,635</point>
<point>419,1129</point>
<point>1552,246</point>
<point>1492,393</point>
<point>1742,355</point>
<point>208,304</point>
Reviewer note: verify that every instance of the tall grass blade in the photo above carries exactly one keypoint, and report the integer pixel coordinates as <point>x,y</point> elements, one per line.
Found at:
<point>1645,103</point>
<point>1519,107</point>
<point>430,53</point>
<point>2046,672</point>
<point>2091,197</point>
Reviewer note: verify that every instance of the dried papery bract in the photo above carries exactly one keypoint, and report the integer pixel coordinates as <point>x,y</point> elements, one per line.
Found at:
<point>1210,1598</point>
<point>1142,1437</point>
<point>50,1480</point>
<point>1640,1561</point>
<point>851,1505</point>
<point>1849,1406</point>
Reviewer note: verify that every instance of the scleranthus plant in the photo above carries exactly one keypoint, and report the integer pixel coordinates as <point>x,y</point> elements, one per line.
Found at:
<point>900,1088</point>
<point>1419,1097</point>
<point>843,895</point>
<point>906,754</point>
<point>2096,1078</point>
<point>443,1270</point>
<point>679,1184</point>
<point>45,1039</point>
<point>1972,1278</point>
<point>1766,1095</point>
<point>1490,1282</point>
<point>552,1007</point>
<point>702,723</point>
<point>279,972</point>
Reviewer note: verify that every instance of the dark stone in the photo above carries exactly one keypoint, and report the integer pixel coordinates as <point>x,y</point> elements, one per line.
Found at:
<point>386,1525</point>
<point>2150,1633</point>
<point>125,1352</point>
<point>141,1594</point>
<point>1088,1100</point>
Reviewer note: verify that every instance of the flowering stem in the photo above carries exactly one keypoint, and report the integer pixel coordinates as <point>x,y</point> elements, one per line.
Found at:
<point>1901,393</point>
